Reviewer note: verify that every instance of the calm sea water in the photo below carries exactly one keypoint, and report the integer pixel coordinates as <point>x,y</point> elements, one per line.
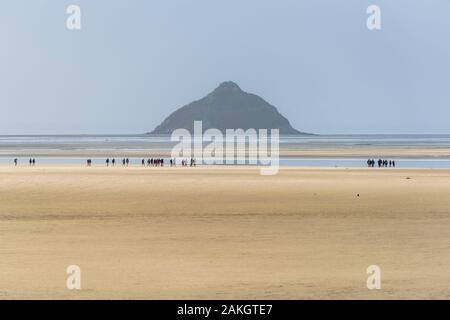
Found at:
<point>10,144</point>
<point>133,141</point>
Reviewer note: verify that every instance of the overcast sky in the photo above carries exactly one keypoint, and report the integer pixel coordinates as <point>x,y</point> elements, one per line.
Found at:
<point>134,62</point>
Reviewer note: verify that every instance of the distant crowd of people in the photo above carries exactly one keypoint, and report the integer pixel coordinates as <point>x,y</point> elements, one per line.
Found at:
<point>159,162</point>
<point>151,162</point>
<point>381,163</point>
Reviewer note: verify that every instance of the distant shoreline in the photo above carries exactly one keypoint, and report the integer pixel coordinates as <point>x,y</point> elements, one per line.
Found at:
<point>148,134</point>
<point>323,152</point>
<point>303,148</point>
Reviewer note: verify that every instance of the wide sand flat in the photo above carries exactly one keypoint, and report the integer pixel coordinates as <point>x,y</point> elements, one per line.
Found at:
<point>220,233</point>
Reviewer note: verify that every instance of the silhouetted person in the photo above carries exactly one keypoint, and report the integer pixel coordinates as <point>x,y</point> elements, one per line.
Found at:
<point>15,162</point>
<point>113,162</point>
<point>128,161</point>
<point>107,162</point>
<point>34,161</point>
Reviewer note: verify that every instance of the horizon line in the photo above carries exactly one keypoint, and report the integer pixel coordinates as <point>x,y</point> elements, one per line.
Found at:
<point>154,134</point>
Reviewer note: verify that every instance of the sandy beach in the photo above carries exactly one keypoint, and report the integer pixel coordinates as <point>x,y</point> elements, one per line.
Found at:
<point>223,233</point>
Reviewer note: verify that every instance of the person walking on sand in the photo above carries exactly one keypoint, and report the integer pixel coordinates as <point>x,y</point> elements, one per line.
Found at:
<point>107,162</point>
<point>34,161</point>
<point>15,162</point>
<point>123,162</point>
<point>113,162</point>
<point>128,161</point>
<point>393,163</point>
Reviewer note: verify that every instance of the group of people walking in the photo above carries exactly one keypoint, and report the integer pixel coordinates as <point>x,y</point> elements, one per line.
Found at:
<point>381,163</point>
<point>31,162</point>
<point>184,162</point>
<point>151,162</point>
<point>155,162</point>
<point>159,162</point>
<point>112,161</point>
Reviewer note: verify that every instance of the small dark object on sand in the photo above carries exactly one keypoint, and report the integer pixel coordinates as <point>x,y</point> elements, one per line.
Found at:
<point>357,195</point>
<point>408,178</point>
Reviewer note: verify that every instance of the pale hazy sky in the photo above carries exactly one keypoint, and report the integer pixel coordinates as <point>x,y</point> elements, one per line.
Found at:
<point>134,62</point>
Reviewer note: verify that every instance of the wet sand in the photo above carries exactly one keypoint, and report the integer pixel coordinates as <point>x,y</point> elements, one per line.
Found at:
<point>223,233</point>
<point>363,152</point>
